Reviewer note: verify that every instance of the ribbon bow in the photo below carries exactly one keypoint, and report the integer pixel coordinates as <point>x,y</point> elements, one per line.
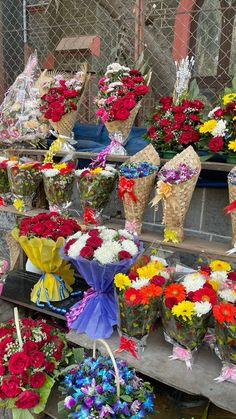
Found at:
<point>89,216</point>
<point>163,190</point>
<point>77,309</point>
<point>127,345</point>
<point>230,208</point>
<point>183,355</point>
<point>228,373</point>
<point>126,186</point>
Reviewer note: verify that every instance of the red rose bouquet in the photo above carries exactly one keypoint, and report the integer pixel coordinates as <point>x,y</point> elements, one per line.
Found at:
<point>58,180</point>
<point>41,238</point>
<point>31,354</point>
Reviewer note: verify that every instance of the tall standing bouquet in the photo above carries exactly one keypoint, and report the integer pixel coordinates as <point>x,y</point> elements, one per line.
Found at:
<point>5,190</point>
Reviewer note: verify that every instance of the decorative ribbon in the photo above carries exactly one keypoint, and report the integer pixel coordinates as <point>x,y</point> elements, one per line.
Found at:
<point>102,156</point>
<point>75,311</point>
<point>228,373</point>
<point>163,191</point>
<point>183,355</point>
<point>170,236</point>
<point>89,216</point>
<point>230,208</point>
<point>126,186</point>
<point>127,345</point>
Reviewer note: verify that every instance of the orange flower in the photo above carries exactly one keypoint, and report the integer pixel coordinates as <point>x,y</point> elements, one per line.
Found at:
<point>224,312</point>
<point>132,296</point>
<point>175,290</point>
<point>150,291</point>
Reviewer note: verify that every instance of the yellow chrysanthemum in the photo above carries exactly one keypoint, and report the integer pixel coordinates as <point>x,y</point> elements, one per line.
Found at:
<point>220,265</point>
<point>208,126</point>
<point>59,166</point>
<point>230,97</point>
<point>184,309</point>
<point>96,170</point>
<point>54,147</point>
<point>214,284</point>
<point>18,204</point>
<point>232,145</point>
<point>170,236</point>
<point>159,266</point>
<point>121,281</point>
<point>147,271</point>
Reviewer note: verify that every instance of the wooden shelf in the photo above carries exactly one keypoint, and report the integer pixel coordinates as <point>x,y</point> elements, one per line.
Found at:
<point>155,363</point>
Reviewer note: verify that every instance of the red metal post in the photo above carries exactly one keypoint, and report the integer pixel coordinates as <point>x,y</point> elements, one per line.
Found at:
<point>139,28</point>
<point>182,29</point>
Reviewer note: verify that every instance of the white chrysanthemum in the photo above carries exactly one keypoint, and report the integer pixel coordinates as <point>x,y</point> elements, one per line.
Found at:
<point>126,234</point>
<point>193,282</point>
<point>130,247</point>
<point>50,172</point>
<point>108,234</point>
<point>219,276</point>
<point>162,260</point>
<point>76,247</point>
<point>202,307</point>
<point>228,295</point>
<point>212,112</point>
<point>219,129</point>
<point>115,68</point>
<point>139,283</point>
<point>106,254</point>
<point>110,168</point>
<point>75,236</point>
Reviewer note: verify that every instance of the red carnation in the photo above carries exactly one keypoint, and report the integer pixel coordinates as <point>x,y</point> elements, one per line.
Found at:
<point>134,73</point>
<point>37,359</point>
<point>30,346</point>
<point>37,379</point>
<point>142,89</point>
<point>194,118</point>
<point>232,276</point>
<point>166,100</point>
<point>138,79</point>
<point>86,252</point>
<point>171,302</point>
<point>129,103</point>
<point>93,232</point>
<point>3,344</point>
<point>94,242</point>
<point>165,122</point>
<point>27,399</point>
<point>216,144</point>
<point>11,386</point>
<point>18,362</point>
<point>197,104</point>
<point>49,366</point>
<point>158,280</point>
<point>123,254</point>
<point>188,137</point>
<point>122,114</point>
<point>179,117</point>
<point>151,132</point>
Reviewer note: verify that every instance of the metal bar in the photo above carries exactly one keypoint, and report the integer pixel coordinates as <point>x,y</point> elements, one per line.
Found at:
<point>139,28</point>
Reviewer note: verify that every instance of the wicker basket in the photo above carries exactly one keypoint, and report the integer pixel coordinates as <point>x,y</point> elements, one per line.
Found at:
<point>123,126</point>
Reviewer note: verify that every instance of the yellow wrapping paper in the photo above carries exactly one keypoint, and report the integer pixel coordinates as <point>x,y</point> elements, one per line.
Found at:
<point>44,254</point>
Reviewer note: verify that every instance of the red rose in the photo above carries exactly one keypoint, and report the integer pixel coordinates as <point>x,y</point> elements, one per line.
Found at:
<point>18,362</point>
<point>232,276</point>
<point>122,114</point>
<point>117,104</point>
<point>123,254</point>
<point>151,132</point>
<point>4,343</point>
<point>142,89</point>
<point>93,232</point>
<point>68,245</point>
<point>178,109</point>
<point>168,137</point>
<point>188,137</point>
<point>24,378</point>
<point>49,366</point>
<point>129,103</point>
<point>56,116</point>
<point>94,242</point>
<point>158,280</point>
<point>138,79</point>
<point>37,359</point>
<point>179,117</point>
<point>171,302</point>
<point>27,399</point>
<point>165,122</point>
<point>30,346</point>
<point>37,379</point>
<point>198,104</point>
<point>194,118</point>
<point>37,229</point>
<point>4,331</point>
<point>166,100</point>
<point>216,144</point>
<point>156,116</point>
<point>11,386</point>
<point>48,114</point>
<point>86,252</point>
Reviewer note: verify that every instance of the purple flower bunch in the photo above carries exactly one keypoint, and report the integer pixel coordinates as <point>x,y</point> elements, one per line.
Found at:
<point>91,391</point>
<point>179,174</point>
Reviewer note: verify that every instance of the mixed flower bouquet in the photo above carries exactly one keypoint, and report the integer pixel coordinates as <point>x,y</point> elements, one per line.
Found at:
<point>20,116</point>
<point>29,362</point>
<point>5,190</point>
<point>186,310</point>
<point>58,180</point>
<point>139,295</point>
<point>98,255</point>
<point>24,179</point>
<point>41,238</point>
<point>218,132</point>
<point>105,388</point>
<point>95,185</point>
<point>175,187</point>
<point>230,209</point>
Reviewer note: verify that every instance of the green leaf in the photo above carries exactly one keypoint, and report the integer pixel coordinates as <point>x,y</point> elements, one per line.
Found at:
<point>78,354</point>
<point>194,89</point>
<point>205,158</point>
<point>126,398</point>
<point>139,61</point>
<point>44,392</point>
<point>234,83</point>
<point>21,414</point>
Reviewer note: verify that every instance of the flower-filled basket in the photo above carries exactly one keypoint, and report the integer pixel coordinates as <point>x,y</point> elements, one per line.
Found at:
<point>41,238</point>
<point>98,255</point>
<point>95,185</point>
<point>32,351</point>
<point>136,179</point>
<point>103,387</point>
<point>187,307</point>
<point>176,183</point>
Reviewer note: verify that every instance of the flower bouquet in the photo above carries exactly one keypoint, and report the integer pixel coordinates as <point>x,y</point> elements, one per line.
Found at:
<point>31,354</point>
<point>105,388</point>
<point>136,179</point>
<point>185,316</point>
<point>20,117</point>
<point>41,238</point>
<point>175,186</point>
<point>5,190</point>
<point>139,301</point>
<point>58,180</point>
<point>95,185</point>
<point>119,100</point>
<point>98,255</point>
<point>231,208</point>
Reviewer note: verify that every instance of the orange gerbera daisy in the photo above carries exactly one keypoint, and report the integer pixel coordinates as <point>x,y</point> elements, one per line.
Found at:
<point>175,290</point>
<point>150,291</point>
<point>132,296</point>
<point>224,312</point>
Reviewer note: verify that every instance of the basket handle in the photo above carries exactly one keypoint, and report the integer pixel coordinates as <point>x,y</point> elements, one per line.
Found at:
<point>117,380</point>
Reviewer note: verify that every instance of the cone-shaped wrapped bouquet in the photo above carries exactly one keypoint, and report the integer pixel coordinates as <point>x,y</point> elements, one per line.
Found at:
<point>123,126</point>
<point>231,208</point>
<point>176,183</point>
<point>137,177</point>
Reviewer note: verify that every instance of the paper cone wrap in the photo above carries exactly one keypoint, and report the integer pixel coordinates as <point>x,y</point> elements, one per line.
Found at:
<point>123,126</point>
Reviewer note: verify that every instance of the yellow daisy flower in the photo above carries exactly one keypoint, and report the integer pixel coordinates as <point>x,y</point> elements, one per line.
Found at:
<point>121,281</point>
<point>170,236</point>
<point>96,170</point>
<point>184,309</point>
<point>220,265</point>
<point>147,271</point>
<point>208,126</point>
<point>18,204</point>
<point>232,145</point>
<point>230,97</point>
<point>60,166</point>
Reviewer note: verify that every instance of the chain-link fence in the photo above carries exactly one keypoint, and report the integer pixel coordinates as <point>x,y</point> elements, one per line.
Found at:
<point>68,32</point>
